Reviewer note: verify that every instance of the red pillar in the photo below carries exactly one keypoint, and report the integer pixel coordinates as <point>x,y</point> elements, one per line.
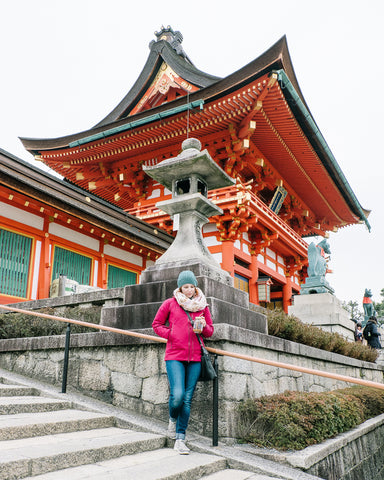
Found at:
<point>228,257</point>
<point>102,273</point>
<point>45,267</point>
<point>287,294</point>
<point>253,295</point>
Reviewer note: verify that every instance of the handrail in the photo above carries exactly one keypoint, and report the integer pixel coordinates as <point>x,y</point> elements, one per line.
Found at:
<point>87,324</point>
<point>287,366</point>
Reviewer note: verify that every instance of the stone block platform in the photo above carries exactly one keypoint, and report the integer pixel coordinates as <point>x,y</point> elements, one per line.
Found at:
<point>141,302</point>
<point>325,311</point>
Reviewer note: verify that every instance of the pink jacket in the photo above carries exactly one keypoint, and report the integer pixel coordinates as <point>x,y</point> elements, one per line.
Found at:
<point>182,344</point>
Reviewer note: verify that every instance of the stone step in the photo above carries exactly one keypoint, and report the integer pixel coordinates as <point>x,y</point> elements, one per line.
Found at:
<point>16,390</point>
<point>44,438</point>
<point>232,474</point>
<point>31,404</point>
<point>23,425</point>
<point>38,455</point>
<point>163,464</point>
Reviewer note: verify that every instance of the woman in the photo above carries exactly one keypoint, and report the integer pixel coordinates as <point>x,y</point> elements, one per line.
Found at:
<point>183,351</point>
<point>371,333</point>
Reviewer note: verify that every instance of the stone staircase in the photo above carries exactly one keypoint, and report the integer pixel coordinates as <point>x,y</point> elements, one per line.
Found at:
<point>47,437</point>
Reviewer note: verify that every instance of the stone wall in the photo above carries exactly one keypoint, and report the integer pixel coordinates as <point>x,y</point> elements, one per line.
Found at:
<point>130,373</point>
<point>354,455</point>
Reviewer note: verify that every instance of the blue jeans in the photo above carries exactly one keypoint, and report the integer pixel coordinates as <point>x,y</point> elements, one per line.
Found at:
<point>182,377</point>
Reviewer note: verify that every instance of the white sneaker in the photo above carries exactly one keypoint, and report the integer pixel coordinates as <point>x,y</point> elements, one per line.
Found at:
<point>180,447</point>
<point>171,432</point>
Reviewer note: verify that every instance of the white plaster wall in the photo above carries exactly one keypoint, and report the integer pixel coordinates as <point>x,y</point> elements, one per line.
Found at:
<point>209,228</point>
<point>211,241</point>
<point>72,236</point>
<point>123,255</point>
<point>155,193</point>
<point>271,264</point>
<point>19,215</point>
<point>35,278</point>
<point>95,272</point>
<point>218,257</point>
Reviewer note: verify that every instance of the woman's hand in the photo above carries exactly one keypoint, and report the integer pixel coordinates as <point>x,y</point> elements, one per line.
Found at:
<point>198,324</point>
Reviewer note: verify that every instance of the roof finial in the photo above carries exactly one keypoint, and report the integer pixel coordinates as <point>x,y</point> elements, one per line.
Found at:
<point>173,38</point>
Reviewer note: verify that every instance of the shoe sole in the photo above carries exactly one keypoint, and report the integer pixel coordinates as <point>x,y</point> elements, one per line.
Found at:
<point>182,453</point>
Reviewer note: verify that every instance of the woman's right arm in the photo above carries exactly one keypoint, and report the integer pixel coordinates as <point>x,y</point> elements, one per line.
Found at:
<point>160,320</point>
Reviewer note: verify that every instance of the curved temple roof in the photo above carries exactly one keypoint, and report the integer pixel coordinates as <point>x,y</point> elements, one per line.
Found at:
<point>210,88</point>
<point>206,91</point>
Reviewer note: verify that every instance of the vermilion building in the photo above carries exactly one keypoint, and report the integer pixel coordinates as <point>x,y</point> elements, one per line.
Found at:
<point>256,125</point>
<point>50,227</point>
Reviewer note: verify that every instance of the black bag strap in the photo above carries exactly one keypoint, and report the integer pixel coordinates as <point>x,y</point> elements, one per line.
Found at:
<point>197,335</point>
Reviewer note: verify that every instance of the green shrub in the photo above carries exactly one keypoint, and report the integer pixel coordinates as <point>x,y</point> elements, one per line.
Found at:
<point>295,420</point>
<point>291,328</point>
<point>20,325</point>
<point>372,399</point>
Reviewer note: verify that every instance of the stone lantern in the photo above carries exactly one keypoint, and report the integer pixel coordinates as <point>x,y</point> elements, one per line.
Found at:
<point>189,176</point>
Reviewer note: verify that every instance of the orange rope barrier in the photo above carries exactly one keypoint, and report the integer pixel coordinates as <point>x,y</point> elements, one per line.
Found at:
<point>287,366</point>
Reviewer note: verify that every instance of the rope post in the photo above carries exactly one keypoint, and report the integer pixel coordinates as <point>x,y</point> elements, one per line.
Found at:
<point>66,358</point>
<point>215,405</point>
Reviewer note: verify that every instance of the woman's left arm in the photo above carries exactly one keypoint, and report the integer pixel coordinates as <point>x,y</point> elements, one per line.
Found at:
<point>208,329</point>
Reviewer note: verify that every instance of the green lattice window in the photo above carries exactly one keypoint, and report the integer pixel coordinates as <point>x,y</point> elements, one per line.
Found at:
<point>73,265</point>
<point>15,256</point>
<point>118,277</point>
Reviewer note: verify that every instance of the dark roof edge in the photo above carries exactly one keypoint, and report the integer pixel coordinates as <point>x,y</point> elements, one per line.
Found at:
<point>147,74</point>
<point>36,179</point>
<point>314,135</point>
<point>275,57</point>
<point>160,51</point>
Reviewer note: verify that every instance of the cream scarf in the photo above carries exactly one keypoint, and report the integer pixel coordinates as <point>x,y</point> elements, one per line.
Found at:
<point>194,304</point>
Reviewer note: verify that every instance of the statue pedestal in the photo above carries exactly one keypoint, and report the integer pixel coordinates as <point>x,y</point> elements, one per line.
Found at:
<point>325,311</point>
<point>316,284</point>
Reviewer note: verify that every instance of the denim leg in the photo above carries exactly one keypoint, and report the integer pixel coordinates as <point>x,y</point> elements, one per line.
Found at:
<point>182,378</point>
<point>176,378</point>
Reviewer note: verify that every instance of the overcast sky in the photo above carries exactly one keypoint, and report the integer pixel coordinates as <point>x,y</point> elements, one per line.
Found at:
<point>66,65</point>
